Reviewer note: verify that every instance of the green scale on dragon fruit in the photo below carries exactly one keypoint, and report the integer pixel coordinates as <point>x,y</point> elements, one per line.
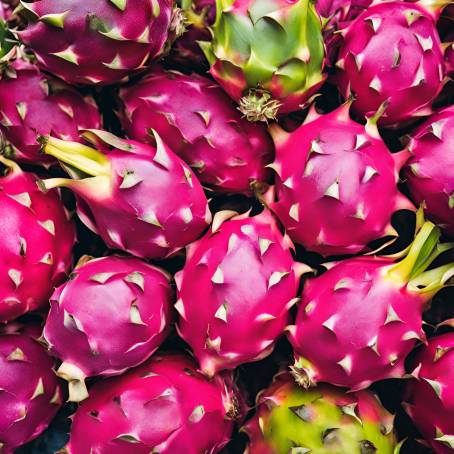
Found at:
<point>202,125</point>
<point>267,55</point>
<point>139,198</point>
<point>359,320</point>
<point>322,420</point>
<point>235,290</point>
<point>430,395</point>
<point>164,406</point>
<point>122,299</point>
<point>96,41</point>
<point>37,238</point>
<point>336,183</point>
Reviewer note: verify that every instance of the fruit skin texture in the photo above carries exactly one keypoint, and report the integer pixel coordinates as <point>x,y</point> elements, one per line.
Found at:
<point>167,405</point>
<point>120,299</point>
<point>430,397</point>
<point>96,42</point>
<point>200,123</point>
<point>267,56</point>
<point>235,291</point>
<point>336,183</point>
<point>140,198</point>
<point>186,52</point>
<point>37,240</point>
<point>408,75</point>
<point>430,171</point>
<point>31,105</point>
<point>31,393</point>
<point>322,420</point>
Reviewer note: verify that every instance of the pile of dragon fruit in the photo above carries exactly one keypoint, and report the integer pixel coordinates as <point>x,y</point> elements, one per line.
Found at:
<point>226,226</point>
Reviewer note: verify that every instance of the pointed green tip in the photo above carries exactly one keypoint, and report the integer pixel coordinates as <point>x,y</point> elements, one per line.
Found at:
<point>258,105</point>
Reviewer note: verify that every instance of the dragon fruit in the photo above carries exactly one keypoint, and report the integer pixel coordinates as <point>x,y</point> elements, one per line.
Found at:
<point>31,104</point>
<point>358,321</point>
<point>202,125</point>
<point>199,16</point>
<point>30,391</point>
<point>139,198</point>
<point>430,171</point>
<point>119,299</point>
<point>325,419</point>
<point>430,397</point>
<point>96,42</point>
<point>37,239</point>
<point>336,182</point>
<point>163,406</point>
<point>268,56</point>
<point>391,56</point>
<point>235,291</point>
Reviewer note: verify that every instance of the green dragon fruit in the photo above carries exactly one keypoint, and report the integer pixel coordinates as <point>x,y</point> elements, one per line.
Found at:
<point>323,420</point>
<point>267,55</point>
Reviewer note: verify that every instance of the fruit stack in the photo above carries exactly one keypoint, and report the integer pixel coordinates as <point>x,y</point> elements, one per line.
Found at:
<point>226,227</point>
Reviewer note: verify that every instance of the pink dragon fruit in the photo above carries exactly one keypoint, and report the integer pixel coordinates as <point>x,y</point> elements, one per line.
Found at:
<point>31,104</point>
<point>358,321</point>
<point>430,397</point>
<point>163,406</point>
<point>93,42</point>
<point>37,239</point>
<point>325,419</point>
<point>30,391</point>
<point>119,299</point>
<point>199,16</point>
<point>335,183</point>
<point>201,124</point>
<point>391,55</point>
<point>139,198</point>
<point>235,291</point>
<point>430,171</point>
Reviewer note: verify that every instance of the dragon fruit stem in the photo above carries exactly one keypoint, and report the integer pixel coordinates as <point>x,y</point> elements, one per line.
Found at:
<point>79,156</point>
<point>76,382</point>
<point>258,105</point>
<point>11,165</point>
<point>424,250</point>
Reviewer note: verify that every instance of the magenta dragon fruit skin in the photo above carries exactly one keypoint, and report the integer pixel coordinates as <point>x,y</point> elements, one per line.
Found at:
<point>405,76</point>
<point>37,239</point>
<point>120,299</point>
<point>430,396</point>
<point>96,42</point>
<point>163,406</point>
<point>430,171</point>
<point>31,104</point>
<point>336,183</point>
<point>30,391</point>
<point>358,321</point>
<point>139,198</point>
<point>202,125</point>
<point>235,291</point>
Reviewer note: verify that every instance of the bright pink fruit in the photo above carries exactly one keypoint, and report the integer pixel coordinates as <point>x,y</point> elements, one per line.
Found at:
<point>235,291</point>
<point>30,394</point>
<point>111,315</point>
<point>94,42</point>
<point>430,172</point>
<point>358,321</point>
<point>392,54</point>
<point>430,397</point>
<point>37,239</point>
<point>163,406</point>
<point>139,198</point>
<point>31,104</point>
<point>336,183</point>
<point>201,124</point>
